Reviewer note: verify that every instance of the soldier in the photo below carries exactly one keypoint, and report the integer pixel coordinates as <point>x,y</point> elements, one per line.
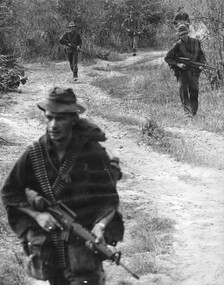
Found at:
<point>132,25</point>
<point>73,42</point>
<point>68,164</point>
<point>187,76</point>
<point>181,17</point>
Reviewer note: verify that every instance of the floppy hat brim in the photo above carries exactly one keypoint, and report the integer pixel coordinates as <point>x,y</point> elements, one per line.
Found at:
<point>182,33</point>
<point>58,107</point>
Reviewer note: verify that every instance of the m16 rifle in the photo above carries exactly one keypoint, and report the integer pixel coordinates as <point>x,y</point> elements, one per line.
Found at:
<point>211,69</point>
<point>191,63</point>
<point>67,218</point>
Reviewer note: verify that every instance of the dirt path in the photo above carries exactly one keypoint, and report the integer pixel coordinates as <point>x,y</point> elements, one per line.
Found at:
<point>192,196</point>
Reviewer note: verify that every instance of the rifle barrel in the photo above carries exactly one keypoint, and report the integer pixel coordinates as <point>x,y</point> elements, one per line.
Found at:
<point>129,271</point>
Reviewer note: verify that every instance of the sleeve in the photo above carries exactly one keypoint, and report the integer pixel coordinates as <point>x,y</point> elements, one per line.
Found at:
<point>112,168</point>
<point>79,40</point>
<point>13,194</point>
<point>171,55</point>
<point>201,55</point>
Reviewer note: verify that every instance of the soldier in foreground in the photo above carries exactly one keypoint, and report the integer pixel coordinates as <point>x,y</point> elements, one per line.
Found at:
<point>132,25</point>
<point>73,43</point>
<point>187,75</point>
<point>68,164</point>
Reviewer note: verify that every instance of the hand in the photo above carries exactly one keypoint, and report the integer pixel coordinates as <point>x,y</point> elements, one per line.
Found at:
<point>182,66</point>
<point>46,221</point>
<point>98,231</point>
<point>78,48</point>
<point>201,67</point>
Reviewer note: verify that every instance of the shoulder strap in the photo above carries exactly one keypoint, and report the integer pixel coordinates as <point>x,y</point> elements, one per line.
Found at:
<point>63,176</point>
<point>37,160</point>
<point>194,47</point>
<point>39,168</point>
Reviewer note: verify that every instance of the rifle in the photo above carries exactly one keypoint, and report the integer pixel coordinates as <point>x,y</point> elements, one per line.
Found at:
<point>189,62</point>
<point>67,218</point>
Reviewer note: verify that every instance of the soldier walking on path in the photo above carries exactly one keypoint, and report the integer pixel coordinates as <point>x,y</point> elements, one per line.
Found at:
<point>73,43</point>
<point>187,76</point>
<point>132,25</point>
<point>68,164</point>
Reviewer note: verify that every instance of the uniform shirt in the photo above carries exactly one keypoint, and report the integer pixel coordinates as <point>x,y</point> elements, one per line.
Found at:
<point>91,194</point>
<point>73,38</point>
<point>190,49</point>
<point>132,23</point>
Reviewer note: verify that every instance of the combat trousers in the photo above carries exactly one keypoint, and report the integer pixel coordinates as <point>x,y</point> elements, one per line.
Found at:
<point>188,89</point>
<point>133,41</point>
<point>73,61</point>
<point>96,278</point>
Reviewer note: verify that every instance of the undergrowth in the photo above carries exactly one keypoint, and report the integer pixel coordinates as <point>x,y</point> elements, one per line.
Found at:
<point>146,92</point>
<point>148,238</point>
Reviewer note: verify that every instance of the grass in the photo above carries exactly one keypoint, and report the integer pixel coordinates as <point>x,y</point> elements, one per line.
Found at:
<point>144,92</point>
<point>12,271</point>
<point>153,91</point>
<point>148,236</point>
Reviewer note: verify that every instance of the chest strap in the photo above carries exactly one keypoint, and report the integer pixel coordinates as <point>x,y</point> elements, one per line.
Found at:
<point>194,48</point>
<point>52,193</point>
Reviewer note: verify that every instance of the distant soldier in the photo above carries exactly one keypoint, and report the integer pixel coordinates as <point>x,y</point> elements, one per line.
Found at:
<point>73,42</point>
<point>187,76</point>
<point>132,25</point>
<point>181,17</point>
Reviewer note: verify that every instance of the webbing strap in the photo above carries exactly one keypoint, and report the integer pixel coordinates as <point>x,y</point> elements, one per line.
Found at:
<point>194,49</point>
<point>37,159</point>
<point>39,167</point>
<point>63,177</point>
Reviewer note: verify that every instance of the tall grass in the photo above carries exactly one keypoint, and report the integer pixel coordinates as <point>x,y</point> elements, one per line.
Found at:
<point>152,91</point>
<point>148,237</point>
<point>148,90</point>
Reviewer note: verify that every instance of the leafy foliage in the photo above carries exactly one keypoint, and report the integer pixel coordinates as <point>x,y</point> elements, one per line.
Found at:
<point>11,74</point>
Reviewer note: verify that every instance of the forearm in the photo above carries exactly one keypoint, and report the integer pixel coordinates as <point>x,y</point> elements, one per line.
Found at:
<point>105,220</point>
<point>29,211</point>
<point>99,227</point>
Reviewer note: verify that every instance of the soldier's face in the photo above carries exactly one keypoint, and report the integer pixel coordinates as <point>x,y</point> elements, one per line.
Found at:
<point>184,37</point>
<point>59,125</point>
<point>72,29</point>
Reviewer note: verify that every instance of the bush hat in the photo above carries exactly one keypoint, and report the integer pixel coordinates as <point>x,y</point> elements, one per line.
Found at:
<point>182,29</point>
<point>61,100</point>
<point>72,24</point>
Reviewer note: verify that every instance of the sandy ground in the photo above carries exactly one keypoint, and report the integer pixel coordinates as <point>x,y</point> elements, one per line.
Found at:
<point>191,196</point>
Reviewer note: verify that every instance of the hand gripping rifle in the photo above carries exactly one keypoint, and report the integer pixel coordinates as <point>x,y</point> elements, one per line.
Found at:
<point>191,63</point>
<point>67,218</point>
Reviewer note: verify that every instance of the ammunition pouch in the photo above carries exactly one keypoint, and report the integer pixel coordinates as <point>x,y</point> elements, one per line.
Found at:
<point>41,261</point>
<point>114,231</point>
<point>81,258</point>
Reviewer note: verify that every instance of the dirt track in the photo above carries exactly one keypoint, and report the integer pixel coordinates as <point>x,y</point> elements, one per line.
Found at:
<point>192,196</point>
